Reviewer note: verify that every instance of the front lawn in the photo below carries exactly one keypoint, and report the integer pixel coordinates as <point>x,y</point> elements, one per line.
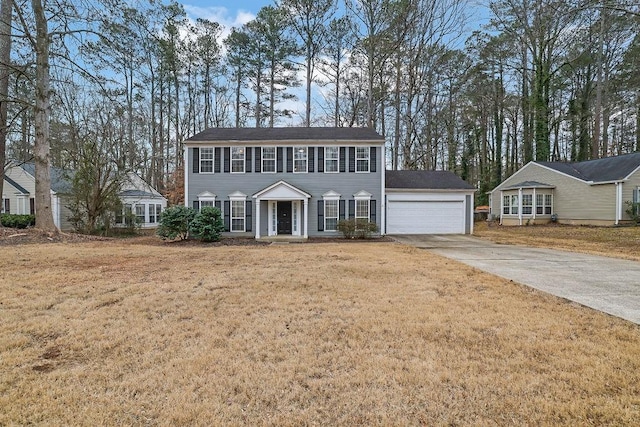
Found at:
<point>619,242</point>
<point>375,333</point>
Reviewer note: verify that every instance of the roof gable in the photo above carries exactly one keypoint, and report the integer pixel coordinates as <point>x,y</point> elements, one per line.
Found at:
<point>60,178</point>
<point>598,170</point>
<point>316,134</point>
<point>425,180</point>
<point>282,190</point>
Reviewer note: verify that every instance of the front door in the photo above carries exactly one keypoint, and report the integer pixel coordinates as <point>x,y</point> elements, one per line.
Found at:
<point>284,217</point>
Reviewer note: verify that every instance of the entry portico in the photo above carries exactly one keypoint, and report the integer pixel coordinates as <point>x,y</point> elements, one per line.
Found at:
<point>287,210</point>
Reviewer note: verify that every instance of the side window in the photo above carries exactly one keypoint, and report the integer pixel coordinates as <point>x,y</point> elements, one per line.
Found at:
<point>206,160</point>
<point>362,159</point>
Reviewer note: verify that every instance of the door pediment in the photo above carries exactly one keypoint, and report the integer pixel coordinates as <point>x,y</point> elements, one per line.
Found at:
<point>281,190</point>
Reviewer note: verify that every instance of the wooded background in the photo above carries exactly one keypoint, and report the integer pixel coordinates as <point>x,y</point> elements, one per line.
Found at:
<point>120,84</point>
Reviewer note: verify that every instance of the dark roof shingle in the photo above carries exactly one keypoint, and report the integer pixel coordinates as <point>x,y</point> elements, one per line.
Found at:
<point>599,170</point>
<point>427,180</point>
<point>287,134</point>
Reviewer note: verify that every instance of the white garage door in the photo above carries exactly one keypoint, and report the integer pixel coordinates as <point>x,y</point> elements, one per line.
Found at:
<point>425,217</point>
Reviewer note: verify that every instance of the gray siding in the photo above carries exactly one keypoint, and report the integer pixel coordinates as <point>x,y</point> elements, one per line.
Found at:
<point>627,191</point>
<point>314,183</point>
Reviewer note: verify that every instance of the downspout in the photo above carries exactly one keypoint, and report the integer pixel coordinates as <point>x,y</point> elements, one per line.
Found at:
<point>501,205</point>
<point>618,202</point>
<point>383,199</point>
<point>535,206</point>
<point>186,169</point>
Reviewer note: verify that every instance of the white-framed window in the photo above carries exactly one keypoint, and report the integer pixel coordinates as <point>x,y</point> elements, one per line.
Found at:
<point>237,215</point>
<point>362,159</point>
<point>268,159</point>
<point>299,159</point>
<point>515,204</point>
<point>141,213</point>
<point>331,159</point>
<point>527,204</point>
<point>206,160</point>
<point>331,211</point>
<point>154,213</point>
<point>206,199</point>
<point>362,209</point>
<point>548,202</point>
<point>237,159</point>
<point>506,205</point>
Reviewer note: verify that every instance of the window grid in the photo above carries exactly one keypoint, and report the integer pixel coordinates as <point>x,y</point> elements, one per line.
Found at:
<point>206,160</point>
<point>362,159</point>
<point>237,215</point>
<point>268,159</point>
<point>527,204</point>
<point>140,213</point>
<point>237,159</point>
<point>331,159</point>
<point>299,159</point>
<point>330,215</point>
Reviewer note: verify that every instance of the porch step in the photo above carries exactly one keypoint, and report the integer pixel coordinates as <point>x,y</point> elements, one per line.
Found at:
<point>282,239</point>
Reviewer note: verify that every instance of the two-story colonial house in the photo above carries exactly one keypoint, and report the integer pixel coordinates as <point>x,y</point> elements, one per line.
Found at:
<point>295,182</point>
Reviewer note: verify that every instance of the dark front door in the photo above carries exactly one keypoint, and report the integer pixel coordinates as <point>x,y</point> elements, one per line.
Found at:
<point>284,217</point>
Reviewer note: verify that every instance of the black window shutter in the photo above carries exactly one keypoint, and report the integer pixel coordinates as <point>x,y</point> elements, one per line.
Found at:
<point>247,159</point>
<point>248,216</point>
<point>217,203</point>
<point>227,214</point>
<point>279,159</point>
<point>258,159</point>
<point>32,206</point>
<point>216,160</point>
<point>196,160</point>
<point>342,159</point>
<point>372,210</point>
<point>227,160</point>
<point>310,158</point>
<point>289,159</point>
<point>341,209</point>
<point>196,205</point>
<point>372,159</point>
<point>352,208</point>
<point>320,215</point>
<point>320,159</point>
<point>352,159</point>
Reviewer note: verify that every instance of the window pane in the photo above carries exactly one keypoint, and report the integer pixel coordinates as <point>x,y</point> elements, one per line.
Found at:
<point>331,157</point>
<point>527,204</point>
<point>362,209</point>
<point>362,159</point>
<point>237,215</point>
<point>299,159</point>
<point>268,159</point>
<point>206,160</point>
<point>237,159</point>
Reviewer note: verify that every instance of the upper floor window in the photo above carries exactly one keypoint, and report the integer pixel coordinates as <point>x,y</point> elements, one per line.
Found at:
<point>331,159</point>
<point>237,159</point>
<point>362,159</point>
<point>237,215</point>
<point>268,159</point>
<point>299,159</point>
<point>206,160</point>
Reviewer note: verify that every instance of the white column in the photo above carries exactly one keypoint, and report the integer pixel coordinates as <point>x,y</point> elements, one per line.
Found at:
<point>520,205</point>
<point>306,217</point>
<point>535,204</point>
<point>257,218</point>
<point>618,202</point>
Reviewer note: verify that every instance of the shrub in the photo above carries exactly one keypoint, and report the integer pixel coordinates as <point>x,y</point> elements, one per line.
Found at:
<point>174,222</point>
<point>357,228</point>
<point>17,221</point>
<point>633,210</point>
<point>207,225</point>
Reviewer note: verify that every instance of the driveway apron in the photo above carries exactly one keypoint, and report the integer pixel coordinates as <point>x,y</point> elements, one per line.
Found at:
<point>606,284</point>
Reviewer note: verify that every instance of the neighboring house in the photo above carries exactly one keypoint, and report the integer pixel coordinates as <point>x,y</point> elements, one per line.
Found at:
<point>593,192</point>
<point>142,200</point>
<point>428,202</point>
<point>300,182</point>
<point>18,196</point>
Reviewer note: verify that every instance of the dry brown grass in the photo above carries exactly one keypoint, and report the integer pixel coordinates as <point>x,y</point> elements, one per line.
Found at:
<point>106,333</point>
<point>618,242</point>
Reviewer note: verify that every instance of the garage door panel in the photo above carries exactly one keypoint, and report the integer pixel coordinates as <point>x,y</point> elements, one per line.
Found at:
<point>425,217</point>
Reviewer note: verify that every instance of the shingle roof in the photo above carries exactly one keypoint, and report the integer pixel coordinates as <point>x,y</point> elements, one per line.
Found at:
<point>15,185</point>
<point>60,178</point>
<point>427,180</point>
<point>599,170</point>
<point>138,193</point>
<point>287,134</point>
<point>529,184</point>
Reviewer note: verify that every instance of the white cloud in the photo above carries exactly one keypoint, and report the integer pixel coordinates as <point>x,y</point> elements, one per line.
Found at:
<point>221,15</point>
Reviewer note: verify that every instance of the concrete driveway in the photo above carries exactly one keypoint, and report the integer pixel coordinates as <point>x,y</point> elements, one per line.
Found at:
<point>606,284</point>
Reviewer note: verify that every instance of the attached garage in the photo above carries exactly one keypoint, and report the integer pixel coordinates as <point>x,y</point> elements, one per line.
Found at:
<point>428,202</point>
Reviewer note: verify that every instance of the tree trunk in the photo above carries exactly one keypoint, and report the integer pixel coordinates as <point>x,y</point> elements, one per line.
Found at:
<point>6,9</point>
<point>42,113</point>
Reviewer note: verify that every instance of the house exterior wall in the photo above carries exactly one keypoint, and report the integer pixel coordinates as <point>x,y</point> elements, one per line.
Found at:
<point>19,203</point>
<point>574,201</point>
<point>628,188</point>
<point>315,183</point>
